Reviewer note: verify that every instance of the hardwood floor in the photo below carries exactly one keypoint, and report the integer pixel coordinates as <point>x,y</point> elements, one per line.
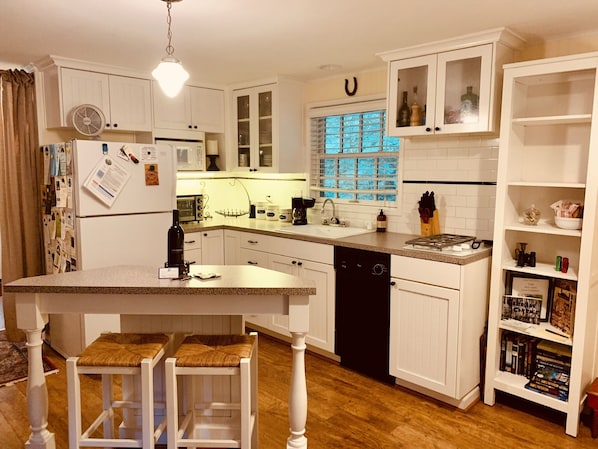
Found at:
<point>346,411</point>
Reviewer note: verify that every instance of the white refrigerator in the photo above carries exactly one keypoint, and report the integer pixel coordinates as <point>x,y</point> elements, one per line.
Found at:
<point>105,203</point>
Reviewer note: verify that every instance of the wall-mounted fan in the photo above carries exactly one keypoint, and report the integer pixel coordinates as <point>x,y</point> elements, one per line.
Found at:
<point>88,120</point>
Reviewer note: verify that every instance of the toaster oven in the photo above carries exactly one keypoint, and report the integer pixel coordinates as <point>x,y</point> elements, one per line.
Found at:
<point>190,208</point>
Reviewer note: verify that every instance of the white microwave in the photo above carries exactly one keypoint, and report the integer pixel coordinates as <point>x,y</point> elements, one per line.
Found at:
<point>190,154</point>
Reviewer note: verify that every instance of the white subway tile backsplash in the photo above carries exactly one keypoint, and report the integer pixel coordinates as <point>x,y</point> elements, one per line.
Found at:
<point>448,166</point>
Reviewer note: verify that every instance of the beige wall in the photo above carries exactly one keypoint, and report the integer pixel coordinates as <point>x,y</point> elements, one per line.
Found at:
<point>577,44</point>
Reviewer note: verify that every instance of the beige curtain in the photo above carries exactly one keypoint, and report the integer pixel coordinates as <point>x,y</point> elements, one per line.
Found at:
<point>20,166</point>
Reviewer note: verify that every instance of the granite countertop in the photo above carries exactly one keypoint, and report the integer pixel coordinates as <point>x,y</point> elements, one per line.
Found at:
<point>143,280</point>
<point>385,242</point>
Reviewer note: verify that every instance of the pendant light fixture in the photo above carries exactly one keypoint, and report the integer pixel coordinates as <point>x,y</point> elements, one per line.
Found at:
<point>170,73</point>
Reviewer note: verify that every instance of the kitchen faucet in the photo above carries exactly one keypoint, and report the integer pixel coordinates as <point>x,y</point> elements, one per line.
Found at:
<point>333,219</point>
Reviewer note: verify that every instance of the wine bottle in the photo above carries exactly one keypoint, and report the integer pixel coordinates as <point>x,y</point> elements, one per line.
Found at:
<point>469,106</point>
<point>416,110</point>
<point>176,237</point>
<point>404,115</point>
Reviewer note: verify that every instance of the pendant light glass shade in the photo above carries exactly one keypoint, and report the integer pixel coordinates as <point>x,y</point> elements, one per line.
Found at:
<point>171,76</point>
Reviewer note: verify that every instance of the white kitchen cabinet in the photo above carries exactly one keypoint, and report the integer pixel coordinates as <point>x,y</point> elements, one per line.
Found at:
<point>232,247</point>
<point>124,101</point>
<point>437,316</point>
<point>547,153</point>
<point>267,126</point>
<point>205,247</point>
<point>435,79</point>
<point>321,307</point>
<point>195,109</point>
<point>308,260</point>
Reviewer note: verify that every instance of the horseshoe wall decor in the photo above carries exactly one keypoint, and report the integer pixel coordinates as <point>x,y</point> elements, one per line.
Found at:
<point>354,91</point>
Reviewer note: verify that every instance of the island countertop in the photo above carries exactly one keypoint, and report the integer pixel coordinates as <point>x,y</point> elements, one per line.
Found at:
<point>143,280</point>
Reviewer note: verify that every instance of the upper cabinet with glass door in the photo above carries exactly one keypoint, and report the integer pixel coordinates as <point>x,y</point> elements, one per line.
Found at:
<point>448,87</point>
<point>268,127</point>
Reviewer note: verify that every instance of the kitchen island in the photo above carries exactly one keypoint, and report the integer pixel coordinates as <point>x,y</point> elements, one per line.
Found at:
<point>149,304</point>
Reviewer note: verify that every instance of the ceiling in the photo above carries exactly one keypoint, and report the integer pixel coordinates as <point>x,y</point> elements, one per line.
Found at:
<point>231,41</point>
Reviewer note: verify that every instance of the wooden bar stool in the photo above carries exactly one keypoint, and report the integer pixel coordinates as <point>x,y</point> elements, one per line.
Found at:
<point>209,421</point>
<point>117,354</point>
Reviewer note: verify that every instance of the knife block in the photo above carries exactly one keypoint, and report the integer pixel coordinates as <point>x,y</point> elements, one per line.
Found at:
<point>432,227</point>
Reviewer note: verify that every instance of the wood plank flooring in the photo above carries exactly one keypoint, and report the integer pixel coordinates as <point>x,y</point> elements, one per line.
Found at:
<point>346,411</point>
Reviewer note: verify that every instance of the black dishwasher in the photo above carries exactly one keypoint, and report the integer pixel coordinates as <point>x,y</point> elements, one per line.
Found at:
<point>363,311</point>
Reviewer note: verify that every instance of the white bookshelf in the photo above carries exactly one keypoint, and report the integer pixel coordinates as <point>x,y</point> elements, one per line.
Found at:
<point>548,152</point>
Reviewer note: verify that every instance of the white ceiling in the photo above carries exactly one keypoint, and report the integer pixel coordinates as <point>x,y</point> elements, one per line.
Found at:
<point>230,41</point>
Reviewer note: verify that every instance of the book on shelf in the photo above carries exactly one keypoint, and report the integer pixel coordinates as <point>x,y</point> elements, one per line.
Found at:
<point>563,305</point>
<point>552,368</point>
<point>517,353</point>
<point>522,308</point>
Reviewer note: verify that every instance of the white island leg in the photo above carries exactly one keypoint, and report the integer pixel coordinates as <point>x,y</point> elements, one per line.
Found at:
<point>298,394</point>
<point>37,395</point>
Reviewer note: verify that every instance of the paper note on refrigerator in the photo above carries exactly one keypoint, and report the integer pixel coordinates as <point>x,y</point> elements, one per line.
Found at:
<point>107,180</point>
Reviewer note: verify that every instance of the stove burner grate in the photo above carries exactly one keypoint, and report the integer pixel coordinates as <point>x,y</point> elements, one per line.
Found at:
<point>440,241</point>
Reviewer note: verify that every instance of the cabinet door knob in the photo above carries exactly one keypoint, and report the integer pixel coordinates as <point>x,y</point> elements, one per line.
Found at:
<point>437,128</point>
<point>299,263</point>
<point>294,262</point>
<point>393,283</point>
<point>195,126</point>
<point>115,125</point>
<point>190,126</point>
<point>428,129</point>
<point>205,234</point>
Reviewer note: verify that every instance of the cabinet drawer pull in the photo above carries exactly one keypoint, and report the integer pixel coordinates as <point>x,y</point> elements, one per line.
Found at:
<point>190,241</point>
<point>253,242</point>
<point>252,262</point>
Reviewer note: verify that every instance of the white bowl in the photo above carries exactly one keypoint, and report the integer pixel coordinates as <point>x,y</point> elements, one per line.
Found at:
<point>568,223</point>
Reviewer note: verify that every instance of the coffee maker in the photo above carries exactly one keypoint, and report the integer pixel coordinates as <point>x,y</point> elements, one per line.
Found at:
<point>300,206</point>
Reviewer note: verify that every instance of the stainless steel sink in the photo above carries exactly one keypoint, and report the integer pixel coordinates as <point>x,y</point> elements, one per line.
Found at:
<point>323,231</point>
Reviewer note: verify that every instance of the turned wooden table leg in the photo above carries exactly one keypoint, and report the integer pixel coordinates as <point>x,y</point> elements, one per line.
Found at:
<point>37,395</point>
<point>298,394</point>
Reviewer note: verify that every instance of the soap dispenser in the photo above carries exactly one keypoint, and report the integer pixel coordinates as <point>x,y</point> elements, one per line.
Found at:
<point>381,222</point>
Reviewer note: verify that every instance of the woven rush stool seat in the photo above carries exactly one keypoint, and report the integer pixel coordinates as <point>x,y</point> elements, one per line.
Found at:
<point>218,377</point>
<point>126,354</point>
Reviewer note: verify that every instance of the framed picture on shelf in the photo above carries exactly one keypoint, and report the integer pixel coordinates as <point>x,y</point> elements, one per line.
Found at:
<point>528,285</point>
<point>563,305</point>
<point>522,308</point>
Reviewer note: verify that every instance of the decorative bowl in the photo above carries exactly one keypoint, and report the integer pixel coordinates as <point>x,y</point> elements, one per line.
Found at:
<point>568,223</point>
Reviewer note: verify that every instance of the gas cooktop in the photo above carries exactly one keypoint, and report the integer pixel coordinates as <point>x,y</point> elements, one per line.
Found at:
<point>440,241</point>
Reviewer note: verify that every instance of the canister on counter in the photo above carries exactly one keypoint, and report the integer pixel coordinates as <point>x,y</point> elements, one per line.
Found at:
<point>272,212</point>
<point>285,215</point>
<point>260,211</point>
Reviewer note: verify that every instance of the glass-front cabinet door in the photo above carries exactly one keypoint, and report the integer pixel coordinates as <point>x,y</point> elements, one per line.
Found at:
<point>265,129</point>
<point>412,95</point>
<point>243,131</point>
<point>463,90</point>
<point>447,92</point>
<point>254,116</point>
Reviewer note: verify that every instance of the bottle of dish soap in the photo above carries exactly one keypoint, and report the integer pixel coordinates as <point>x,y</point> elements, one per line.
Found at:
<point>381,222</point>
